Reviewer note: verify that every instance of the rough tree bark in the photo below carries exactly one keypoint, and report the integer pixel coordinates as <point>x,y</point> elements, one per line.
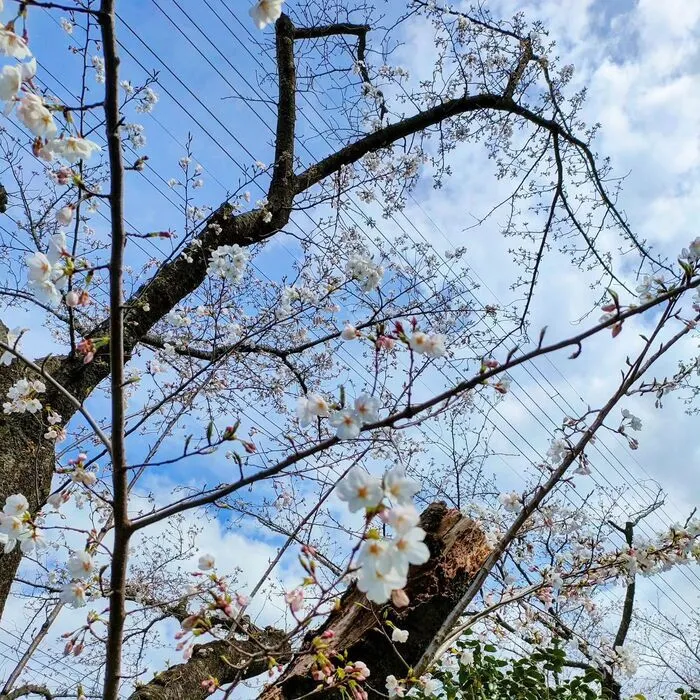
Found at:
<point>221,659</point>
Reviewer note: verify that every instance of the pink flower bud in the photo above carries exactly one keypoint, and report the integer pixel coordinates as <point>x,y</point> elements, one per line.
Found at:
<point>63,176</point>
<point>72,299</point>
<point>399,598</point>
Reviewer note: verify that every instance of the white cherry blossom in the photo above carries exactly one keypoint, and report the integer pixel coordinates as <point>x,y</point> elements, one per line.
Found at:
<point>373,553</point>
<point>408,548</point>
<point>400,636</point>
<point>360,490</point>
<point>40,268</point>
<point>13,45</point>
<point>511,502</point>
<point>394,688</point>
<point>349,332</point>
<point>13,337</point>
<point>228,262</point>
<point>65,215</point>
<point>367,408</point>
<point>378,585</point>
<point>311,407</point>
<point>32,112</point>
<point>32,540</point>
<point>399,487</point>
<point>73,148</point>
<point>206,562</point>
<point>80,564</point>
<point>403,518</point>
<point>12,77</point>
<point>266,12</point>
<point>347,422</point>
<point>73,594</point>
<point>15,505</point>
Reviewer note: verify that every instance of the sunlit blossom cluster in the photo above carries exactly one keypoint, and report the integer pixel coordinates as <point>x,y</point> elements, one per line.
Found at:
<point>23,396</point>
<point>49,272</point>
<point>365,271</point>
<point>382,563</point>
<point>228,262</point>
<point>289,295</point>
<point>347,421</point>
<point>74,592</point>
<point>18,526</point>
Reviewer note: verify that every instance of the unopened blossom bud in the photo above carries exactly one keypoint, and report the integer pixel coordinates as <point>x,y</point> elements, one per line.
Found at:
<point>349,332</point>
<point>210,685</point>
<point>399,598</point>
<point>72,299</point>
<point>68,648</point>
<point>78,648</point>
<point>384,342</point>
<point>242,600</point>
<point>608,308</point>
<point>189,622</point>
<point>328,634</point>
<point>491,363</point>
<point>249,447</point>
<point>63,176</point>
<point>65,215</point>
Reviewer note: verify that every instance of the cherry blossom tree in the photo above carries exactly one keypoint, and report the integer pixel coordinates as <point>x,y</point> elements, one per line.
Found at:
<point>315,398</point>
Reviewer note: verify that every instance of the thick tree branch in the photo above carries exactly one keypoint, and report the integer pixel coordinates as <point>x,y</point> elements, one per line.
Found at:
<point>227,661</point>
<point>330,30</point>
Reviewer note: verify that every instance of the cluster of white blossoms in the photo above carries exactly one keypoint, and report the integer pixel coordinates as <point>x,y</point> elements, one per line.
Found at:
<point>511,502</point>
<point>266,12</point>
<point>557,451</point>
<point>347,421</point>
<point>48,272</point>
<point>367,273</point>
<point>650,287</point>
<point>692,252</point>
<point>80,567</point>
<point>383,562</point>
<point>228,262</point>
<point>305,295</point>
<point>16,525</point>
<point>631,420</point>
<point>16,83</point>
<point>23,396</point>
